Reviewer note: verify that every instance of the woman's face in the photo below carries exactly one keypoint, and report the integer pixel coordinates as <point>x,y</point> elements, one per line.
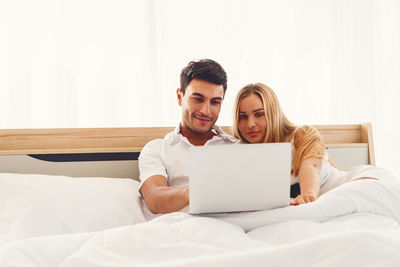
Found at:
<point>252,120</point>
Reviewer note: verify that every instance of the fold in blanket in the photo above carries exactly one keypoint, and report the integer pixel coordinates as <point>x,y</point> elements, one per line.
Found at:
<point>180,239</point>
<point>372,196</point>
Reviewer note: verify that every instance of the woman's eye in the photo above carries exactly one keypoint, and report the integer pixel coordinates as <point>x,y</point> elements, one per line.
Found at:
<point>242,117</point>
<point>259,114</point>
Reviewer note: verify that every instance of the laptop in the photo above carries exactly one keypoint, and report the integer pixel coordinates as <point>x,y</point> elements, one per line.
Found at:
<point>239,177</point>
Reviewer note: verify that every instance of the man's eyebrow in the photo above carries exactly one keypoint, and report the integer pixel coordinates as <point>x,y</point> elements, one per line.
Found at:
<point>198,94</point>
<point>214,98</point>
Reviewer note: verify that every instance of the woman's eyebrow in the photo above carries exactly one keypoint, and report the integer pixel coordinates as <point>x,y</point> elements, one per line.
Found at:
<point>259,109</point>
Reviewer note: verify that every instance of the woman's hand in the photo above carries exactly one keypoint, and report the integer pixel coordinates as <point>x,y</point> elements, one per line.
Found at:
<point>309,181</point>
<point>303,199</point>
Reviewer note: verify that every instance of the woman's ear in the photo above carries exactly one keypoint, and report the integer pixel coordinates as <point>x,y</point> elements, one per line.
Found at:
<point>179,95</point>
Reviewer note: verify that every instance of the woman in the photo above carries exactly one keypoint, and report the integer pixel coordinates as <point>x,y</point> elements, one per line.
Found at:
<point>258,118</point>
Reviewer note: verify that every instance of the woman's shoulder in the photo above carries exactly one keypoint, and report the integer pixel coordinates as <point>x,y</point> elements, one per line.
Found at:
<point>305,129</point>
<point>305,134</point>
<point>307,143</point>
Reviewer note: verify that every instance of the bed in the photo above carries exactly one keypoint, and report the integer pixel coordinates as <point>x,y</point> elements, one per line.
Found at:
<point>69,197</point>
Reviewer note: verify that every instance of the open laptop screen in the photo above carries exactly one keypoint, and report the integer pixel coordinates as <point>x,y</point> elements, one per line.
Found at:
<point>240,177</point>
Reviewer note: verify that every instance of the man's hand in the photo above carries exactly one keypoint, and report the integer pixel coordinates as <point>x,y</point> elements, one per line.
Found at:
<point>303,199</point>
<point>161,198</point>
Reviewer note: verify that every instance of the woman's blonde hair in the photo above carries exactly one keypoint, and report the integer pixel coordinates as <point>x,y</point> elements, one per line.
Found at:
<point>307,142</point>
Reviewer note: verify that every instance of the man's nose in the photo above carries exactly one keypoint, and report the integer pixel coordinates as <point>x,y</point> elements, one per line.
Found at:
<point>205,108</point>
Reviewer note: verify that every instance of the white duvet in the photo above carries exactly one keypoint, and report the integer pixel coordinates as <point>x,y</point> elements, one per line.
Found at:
<point>356,224</point>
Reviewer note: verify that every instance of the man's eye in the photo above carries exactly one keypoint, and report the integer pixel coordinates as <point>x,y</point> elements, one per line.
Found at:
<point>215,102</point>
<point>198,99</point>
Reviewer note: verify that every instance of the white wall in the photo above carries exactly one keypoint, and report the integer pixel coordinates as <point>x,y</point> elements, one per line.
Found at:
<point>98,63</point>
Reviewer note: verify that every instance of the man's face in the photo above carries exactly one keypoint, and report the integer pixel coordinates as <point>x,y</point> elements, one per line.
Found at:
<point>200,105</point>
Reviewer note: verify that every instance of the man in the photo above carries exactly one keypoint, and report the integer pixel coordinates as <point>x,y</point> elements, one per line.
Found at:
<point>163,162</point>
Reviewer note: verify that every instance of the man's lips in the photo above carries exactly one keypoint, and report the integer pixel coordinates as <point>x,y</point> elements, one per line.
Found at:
<point>203,119</point>
<point>253,133</point>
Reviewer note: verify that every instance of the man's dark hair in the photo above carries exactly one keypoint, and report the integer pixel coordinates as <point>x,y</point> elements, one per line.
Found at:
<point>205,69</point>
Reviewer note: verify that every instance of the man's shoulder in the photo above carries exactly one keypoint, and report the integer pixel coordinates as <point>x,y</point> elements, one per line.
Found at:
<point>158,143</point>
<point>154,142</point>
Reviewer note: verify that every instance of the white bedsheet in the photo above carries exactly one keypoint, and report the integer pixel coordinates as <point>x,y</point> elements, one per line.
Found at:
<point>356,224</point>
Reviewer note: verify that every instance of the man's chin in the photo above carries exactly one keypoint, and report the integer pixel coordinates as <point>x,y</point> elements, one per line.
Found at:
<point>202,129</point>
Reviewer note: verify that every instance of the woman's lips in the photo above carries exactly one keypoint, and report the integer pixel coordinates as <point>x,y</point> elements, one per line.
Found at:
<point>253,133</point>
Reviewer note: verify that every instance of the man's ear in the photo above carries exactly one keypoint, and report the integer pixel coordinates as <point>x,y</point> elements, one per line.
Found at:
<point>179,95</point>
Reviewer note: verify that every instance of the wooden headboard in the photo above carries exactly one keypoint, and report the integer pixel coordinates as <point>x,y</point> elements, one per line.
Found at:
<point>129,141</point>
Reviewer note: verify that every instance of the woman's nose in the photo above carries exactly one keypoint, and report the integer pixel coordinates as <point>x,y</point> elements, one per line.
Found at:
<point>251,122</point>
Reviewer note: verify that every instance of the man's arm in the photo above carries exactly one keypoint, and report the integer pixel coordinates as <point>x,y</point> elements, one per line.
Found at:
<point>161,198</point>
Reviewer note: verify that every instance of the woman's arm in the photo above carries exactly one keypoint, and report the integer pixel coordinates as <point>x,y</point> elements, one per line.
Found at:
<point>309,181</point>
<point>307,157</point>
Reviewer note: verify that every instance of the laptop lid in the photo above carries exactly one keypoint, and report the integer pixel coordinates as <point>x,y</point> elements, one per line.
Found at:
<point>239,177</point>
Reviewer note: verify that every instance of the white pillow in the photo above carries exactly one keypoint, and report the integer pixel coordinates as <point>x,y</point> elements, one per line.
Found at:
<point>34,205</point>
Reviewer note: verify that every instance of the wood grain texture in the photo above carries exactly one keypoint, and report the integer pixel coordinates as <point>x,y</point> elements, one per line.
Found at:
<point>366,136</point>
<point>103,140</point>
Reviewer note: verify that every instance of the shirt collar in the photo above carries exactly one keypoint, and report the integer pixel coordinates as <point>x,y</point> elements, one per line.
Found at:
<point>220,133</point>
<point>176,135</point>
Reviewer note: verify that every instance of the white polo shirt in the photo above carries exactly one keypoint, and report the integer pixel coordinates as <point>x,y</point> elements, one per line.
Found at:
<point>168,156</point>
